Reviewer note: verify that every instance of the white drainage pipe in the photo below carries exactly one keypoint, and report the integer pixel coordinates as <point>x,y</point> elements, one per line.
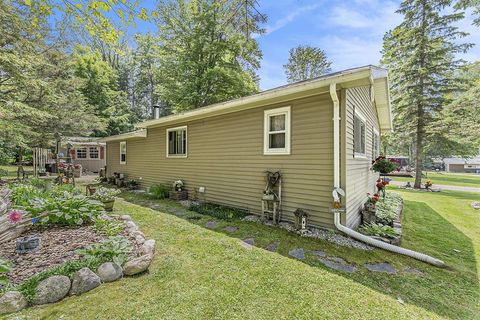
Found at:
<point>384,245</point>
<point>352,233</point>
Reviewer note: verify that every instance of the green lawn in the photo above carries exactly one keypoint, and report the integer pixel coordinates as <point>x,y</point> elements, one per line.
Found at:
<point>12,170</point>
<point>452,179</point>
<point>206,274</point>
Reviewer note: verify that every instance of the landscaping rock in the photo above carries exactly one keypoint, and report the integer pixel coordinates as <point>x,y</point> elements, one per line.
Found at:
<point>52,289</point>
<point>231,229</point>
<point>131,225</point>
<point>211,224</point>
<point>246,245</point>
<point>148,247</point>
<point>318,253</point>
<point>381,267</point>
<point>250,241</point>
<point>338,264</point>
<point>252,218</point>
<point>109,272</point>
<point>272,247</point>
<point>476,205</point>
<point>12,301</point>
<point>84,280</point>
<point>297,253</point>
<point>413,271</point>
<point>125,217</point>
<point>139,239</point>
<point>137,233</point>
<point>137,265</point>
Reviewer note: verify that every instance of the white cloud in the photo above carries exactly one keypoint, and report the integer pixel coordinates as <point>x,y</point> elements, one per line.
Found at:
<point>290,17</point>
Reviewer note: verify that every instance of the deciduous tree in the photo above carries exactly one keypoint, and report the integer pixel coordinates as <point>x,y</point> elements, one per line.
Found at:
<point>306,62</point>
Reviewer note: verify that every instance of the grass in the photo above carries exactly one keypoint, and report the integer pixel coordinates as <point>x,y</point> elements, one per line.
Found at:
<point>200,273</point>
<point>446,178</point>
<point>12,170</point>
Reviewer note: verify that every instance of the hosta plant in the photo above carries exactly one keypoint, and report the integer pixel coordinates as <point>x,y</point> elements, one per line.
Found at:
<point>379,230</point>
<point>105,194</point>
<point>73,209</point>
<point>114,249</point>
<point>5,267</point>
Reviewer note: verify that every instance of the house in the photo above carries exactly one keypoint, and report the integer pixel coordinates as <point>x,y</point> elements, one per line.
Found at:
<point>85,151</point>
<point>462,165</point>
<point>321,133</point>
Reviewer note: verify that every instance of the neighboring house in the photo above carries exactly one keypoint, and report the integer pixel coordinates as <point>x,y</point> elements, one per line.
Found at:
<point>227,147</point>
<point>462,165</point>
<point>88,152</point>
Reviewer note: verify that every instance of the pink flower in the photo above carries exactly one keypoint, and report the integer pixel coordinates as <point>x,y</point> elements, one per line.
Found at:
<point>15,216</point>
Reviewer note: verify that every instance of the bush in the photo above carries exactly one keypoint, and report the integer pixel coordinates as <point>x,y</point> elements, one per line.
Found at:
<point>219,211</point>
<point>114,249</point>
<point>379,230</point>
<point>160,191</point>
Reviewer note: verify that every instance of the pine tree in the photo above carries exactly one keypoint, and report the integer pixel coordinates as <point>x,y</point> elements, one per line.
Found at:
<point>420,55</point>
<point>306,62</point>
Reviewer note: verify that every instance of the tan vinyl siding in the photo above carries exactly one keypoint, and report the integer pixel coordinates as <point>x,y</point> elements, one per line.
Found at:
<point>359,179</point>
<point>225,155</point>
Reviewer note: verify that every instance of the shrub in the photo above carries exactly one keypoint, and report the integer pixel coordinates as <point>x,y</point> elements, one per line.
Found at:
<point>105,194</point>
<point>379,230</point>
<point>114,249</point>
<point>160,191</point>
<point>219,211</point>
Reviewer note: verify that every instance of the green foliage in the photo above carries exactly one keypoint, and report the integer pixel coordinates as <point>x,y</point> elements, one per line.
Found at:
<point>384,165</point>
<point>379,230</point>
<point>114,249</point>
<point>22,194</point>
<point>3,173</point>
<point>73,209</point>
<point>28,288</point>
<point>219,211</point>
<point>160,191</point>
<point>105,194</point>
<point>387,208</point>
<point>5,267</point>
<point>204,57</point>
<point>306,62</point>
<point>420,54</point>
<point>109,227</point>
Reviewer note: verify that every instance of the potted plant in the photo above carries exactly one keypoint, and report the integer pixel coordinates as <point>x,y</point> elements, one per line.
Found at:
<point>106,196</point>
<point>384,165</point>
<point>370,208</point>
<point>428,184</point>
<point>178,185</point>
<point>77,170</point>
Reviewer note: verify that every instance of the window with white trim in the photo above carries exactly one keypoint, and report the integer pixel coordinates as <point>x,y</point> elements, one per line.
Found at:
<point>82,153</point>
<point>375,144</point>
<point>93,152</point>
<point>177,142</point>
<point>277,131</point>
<point>360,135</point>
<point>123,152</point>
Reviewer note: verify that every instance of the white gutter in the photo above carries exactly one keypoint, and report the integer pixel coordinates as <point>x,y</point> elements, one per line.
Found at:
<point>336,190</point>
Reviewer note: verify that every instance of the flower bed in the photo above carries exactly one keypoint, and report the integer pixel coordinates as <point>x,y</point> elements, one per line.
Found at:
<point>79,246</point>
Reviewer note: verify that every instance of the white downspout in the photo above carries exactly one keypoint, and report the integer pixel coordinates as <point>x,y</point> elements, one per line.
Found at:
<point>336,186</point>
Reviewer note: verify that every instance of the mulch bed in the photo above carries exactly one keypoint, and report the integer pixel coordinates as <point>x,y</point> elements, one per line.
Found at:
<point>57,245</point>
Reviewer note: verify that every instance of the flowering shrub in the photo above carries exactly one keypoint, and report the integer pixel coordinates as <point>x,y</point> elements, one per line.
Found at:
<point>428,184</point>
<point>373,199</point>
<point>384,165</point>
<point>105,194</point>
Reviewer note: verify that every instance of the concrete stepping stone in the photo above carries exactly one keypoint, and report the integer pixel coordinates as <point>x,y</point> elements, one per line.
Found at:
<point>381,267</point>
<point>272,247</point>
<point>211,224</point>
<point>297,253</point>
<point>413,271</point>
<point>250,241</point>
<point>318,253</point>
<point>338,264</point>
<point>231,229</point>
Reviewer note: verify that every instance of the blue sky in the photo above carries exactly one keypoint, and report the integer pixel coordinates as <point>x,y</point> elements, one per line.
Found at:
<point>349,31</point>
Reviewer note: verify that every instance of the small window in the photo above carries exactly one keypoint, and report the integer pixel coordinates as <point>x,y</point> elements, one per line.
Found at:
<point>359,130</point>
<point>123,152</point>
<point>93,152</point>
<point>375,144</point>
<point>277,131</point>
<point>82,153</point>
<point>177,142</point>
